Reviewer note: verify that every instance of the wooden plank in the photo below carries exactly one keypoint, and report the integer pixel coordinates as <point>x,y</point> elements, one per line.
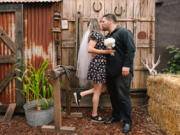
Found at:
<point>108,7</point>
<point>8,42</point>
<point>136,79</point>
<point>9,113</point>
<point>151,27</point>
<point>77,37</point>
<point>7,59</point>
<point>57,104</point>
<point>64,129</point>
<point>80,6</point>
<point>127,20</point>
<point>73,114</point>
<point>69,9</point>
<point>129,15</point>
<point>77,114</point>
<point>48,128</point>
<point>136,27</point>
<point>151,8</point>
<point>69,34</point>
<point>68,98</point>
<point>87,8</point>
<point>142,75</point>
<point>19,32</point>
<point>73,9</point>
<point>81,30</point>
<point>144,8</point>
<point>66,13</point>
<point>6,80</point>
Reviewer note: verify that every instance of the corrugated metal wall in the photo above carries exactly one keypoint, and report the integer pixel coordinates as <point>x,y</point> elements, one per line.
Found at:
<point>7,24</point>
<point>38,36</point>
<point>38,40</point>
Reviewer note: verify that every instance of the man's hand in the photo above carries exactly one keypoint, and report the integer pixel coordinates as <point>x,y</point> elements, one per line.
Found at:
<point>125,71</point>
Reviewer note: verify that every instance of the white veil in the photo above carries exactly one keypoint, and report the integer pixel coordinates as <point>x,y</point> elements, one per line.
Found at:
<point>83,61</point>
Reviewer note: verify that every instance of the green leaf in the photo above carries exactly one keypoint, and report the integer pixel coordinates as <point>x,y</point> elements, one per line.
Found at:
<point>36,85</point>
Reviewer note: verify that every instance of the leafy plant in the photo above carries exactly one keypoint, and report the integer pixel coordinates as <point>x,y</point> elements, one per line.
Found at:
<point>36,84</point>
<point>174,62</point>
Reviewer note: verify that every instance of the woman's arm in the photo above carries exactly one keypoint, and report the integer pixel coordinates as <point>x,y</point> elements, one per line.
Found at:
<point>92,49</point>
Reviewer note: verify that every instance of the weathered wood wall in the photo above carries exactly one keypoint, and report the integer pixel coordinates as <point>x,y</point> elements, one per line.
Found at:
<point>135,15</point>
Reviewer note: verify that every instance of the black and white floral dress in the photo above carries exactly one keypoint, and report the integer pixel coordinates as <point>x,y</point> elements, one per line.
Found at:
<point>97,66</point>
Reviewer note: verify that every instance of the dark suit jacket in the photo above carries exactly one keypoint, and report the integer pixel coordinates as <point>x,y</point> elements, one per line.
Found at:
<point>124,55</point>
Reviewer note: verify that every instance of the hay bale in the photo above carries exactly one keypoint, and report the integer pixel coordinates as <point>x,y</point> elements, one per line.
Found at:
<point>165,89</point>
<point>164,116</point>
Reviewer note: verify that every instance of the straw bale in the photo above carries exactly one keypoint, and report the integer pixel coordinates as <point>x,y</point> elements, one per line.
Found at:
<point>165,117</point>
<point>165,88</point>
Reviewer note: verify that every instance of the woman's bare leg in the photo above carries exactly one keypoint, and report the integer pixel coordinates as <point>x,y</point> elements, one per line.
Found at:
<point>95,99</point>
<point>87,92</point>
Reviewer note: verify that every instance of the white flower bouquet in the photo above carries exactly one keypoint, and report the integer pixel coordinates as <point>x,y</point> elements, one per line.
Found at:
<point>109,43</point>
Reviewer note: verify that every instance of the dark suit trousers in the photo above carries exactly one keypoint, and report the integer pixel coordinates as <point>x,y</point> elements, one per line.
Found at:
<point>119,90</point>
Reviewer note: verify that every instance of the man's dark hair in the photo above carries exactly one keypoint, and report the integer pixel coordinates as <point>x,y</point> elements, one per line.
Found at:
<point>110,17</point>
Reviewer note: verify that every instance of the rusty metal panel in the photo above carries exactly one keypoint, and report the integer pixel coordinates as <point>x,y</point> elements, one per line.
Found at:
<point>7,24</point>
<point>27,1</point>
<point>38,36</point>
<point>38,41</point>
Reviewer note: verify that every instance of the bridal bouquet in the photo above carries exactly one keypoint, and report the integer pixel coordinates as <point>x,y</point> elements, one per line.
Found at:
<point>109,43</point>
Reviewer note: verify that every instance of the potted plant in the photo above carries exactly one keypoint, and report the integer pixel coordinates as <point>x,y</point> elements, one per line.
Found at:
<point>38,93</point>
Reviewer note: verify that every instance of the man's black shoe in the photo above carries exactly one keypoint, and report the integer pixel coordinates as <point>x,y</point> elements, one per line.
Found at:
<point>111,120</point>
<point>126,128</point>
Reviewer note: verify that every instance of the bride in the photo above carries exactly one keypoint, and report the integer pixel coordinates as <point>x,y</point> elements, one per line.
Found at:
<point>92,68</point>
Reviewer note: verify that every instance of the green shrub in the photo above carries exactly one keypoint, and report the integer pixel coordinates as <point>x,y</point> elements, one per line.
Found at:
<point>174,62</point>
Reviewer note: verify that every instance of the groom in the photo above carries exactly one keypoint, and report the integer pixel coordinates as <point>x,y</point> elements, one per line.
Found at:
<point>119,70</point>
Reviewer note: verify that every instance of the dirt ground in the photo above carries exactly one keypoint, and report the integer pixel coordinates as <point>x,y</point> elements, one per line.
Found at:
<point>142,124</point>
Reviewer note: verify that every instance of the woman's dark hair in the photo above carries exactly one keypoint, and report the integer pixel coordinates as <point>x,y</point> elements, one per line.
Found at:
<point>110,17</point>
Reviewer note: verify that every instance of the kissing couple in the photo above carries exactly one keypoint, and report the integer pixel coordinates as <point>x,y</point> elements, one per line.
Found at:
<point>107,61</point>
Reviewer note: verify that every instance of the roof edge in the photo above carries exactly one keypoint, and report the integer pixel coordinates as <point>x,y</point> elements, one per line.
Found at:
<point>28,1</point>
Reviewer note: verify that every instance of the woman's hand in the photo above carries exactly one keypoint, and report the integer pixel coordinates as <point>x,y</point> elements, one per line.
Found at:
<point>92,49</point>
<point>111,52</point>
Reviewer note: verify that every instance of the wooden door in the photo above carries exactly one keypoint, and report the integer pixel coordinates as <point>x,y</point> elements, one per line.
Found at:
<point>135,15</point>
<point>11,46</point>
